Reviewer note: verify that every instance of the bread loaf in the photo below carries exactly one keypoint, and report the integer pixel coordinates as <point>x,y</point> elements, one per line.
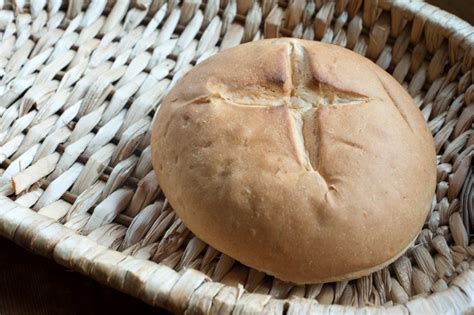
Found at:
<point>301,159</point>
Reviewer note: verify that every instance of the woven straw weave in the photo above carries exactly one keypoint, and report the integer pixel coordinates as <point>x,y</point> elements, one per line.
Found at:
<point>80,82</point>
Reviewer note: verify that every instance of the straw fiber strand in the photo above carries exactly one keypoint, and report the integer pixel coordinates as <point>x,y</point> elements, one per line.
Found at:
<point>80,82</point>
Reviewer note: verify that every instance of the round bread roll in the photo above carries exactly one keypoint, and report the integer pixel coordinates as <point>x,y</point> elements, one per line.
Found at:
<point>301,159</point>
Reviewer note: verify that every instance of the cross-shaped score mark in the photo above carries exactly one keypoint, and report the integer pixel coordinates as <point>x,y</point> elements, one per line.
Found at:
<point>303,99</point>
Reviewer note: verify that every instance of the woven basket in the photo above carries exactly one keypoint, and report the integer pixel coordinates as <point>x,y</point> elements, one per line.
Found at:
<point>80,82</point>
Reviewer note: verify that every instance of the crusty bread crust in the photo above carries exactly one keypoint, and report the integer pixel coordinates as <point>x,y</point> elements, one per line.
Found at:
<point>300,159</point>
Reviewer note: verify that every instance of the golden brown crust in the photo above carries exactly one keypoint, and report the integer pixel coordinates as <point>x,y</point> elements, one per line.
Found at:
<point>297,158</point>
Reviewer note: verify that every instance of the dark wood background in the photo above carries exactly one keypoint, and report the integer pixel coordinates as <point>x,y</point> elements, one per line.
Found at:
<point>30,284</point>
<point>462,8</point>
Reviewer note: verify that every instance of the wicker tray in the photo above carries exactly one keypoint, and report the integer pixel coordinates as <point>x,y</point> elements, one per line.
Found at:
<point>80,82</point>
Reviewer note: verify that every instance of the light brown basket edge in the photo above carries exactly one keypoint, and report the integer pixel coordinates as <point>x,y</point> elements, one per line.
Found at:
<point>459,32</point>
<point>193,291</point>
<point>161,286</point>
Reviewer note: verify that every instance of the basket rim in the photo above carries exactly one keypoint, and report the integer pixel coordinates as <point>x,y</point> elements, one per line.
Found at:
<point>455,28</point>
<point>157,292</point>
<point>150,285</point>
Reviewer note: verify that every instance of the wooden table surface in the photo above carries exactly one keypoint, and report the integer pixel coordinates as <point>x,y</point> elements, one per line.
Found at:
<point>30,284</point>
<point>462,8</point>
